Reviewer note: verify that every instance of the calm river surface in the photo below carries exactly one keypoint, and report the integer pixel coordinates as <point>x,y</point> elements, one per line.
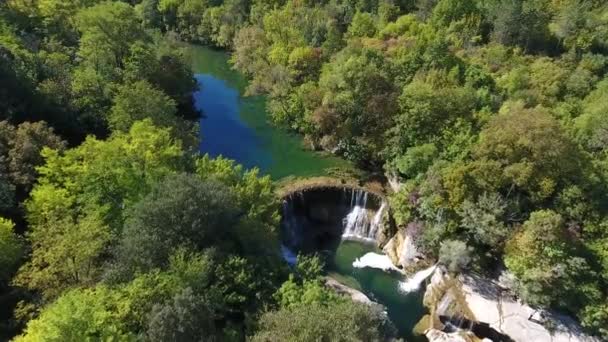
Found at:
<point>238,127</point>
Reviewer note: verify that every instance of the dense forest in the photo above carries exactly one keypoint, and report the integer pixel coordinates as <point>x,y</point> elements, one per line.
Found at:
<point>489,114</point>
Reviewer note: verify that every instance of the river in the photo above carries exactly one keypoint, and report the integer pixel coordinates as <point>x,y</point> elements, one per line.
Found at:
<point>237,127</point>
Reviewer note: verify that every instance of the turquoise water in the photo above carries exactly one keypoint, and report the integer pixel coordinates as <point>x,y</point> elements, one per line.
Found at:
<point>404,309</point>
<point>238,127</point>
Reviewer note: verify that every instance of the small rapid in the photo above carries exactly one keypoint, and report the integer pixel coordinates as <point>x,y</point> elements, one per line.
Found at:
<point>413,283</point>
<point>375,260</point>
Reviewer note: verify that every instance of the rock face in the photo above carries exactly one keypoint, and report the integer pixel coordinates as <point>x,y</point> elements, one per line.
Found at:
<point>492,304</point>
<point>402,250</point>
<point>466,304</point>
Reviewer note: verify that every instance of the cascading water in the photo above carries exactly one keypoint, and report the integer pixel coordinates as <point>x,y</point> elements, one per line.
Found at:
<point>377,221</point>
<point>357,223</point>
<point>414,282</point>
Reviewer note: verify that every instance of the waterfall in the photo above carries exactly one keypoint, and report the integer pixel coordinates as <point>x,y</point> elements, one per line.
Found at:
<point>357,223</point>
<point>377,222</point>
<point>414,282</point>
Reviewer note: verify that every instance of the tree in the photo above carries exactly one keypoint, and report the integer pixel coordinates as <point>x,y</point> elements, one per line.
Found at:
<point>108,29</point>
<point>484,220</point>
<point>448,11</point>
<point>75,316</point>
<point>530,152</point>
<point>519,22</point>
<point>67,251</point>
<point>139,101</point>
<point>549,269</point>
<point>11,250</point>
<point>362,25</point>
<point>427,110</point>
<point>76,211</point>
<point>26,144</point>
<point>455,255</point>
<point>187,318</point>
<point>344,321</point>
<point>359,100</point>
<point>416,160</point>
<point>117,172</point>
<point>182,210</point>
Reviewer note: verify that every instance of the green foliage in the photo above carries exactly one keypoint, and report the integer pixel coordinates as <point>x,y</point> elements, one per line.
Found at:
<point>455,255</point>
<point>548,268</point>
<point>344,321</point>
<point>484,220</point>
<point>362,25</point>
<point>188,318</point>
<point>20,149</point>
<point>310,292</point>
<point>530,152</point>
<point>138,101</point>
<point>75,211</point>
<point>78,315</point>
<point>180,211</point>
<point>11,250</point>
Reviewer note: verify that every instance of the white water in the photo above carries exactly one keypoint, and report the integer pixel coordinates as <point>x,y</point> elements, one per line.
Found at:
<point>375,260</point>
<point>377,221</point>
<point>414,282</point>
<point>357,223</point>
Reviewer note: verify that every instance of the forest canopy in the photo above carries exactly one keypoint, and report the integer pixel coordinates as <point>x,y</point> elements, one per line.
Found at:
<point>490,115</point>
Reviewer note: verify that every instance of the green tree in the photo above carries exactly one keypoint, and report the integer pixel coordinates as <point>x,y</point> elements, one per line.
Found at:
<point>549,270</point>
<point>140,100</point>
<point>344,321</point>
<point>115,173</point>
<point>76,316</point>
<point>484,220</point>
<point>67,251</point>
<point>455,255</point>
<point>362,25</point>
<point>448,11</point>
<point>107,31</point>
<point>180,211</point>
<point>529,152</point>
<point>11,250</point>
<point>187,318</point>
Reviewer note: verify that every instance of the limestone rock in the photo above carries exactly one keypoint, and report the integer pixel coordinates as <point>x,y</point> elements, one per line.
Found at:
<point>401,250</point>
<point>494,305</point>
<point>355,295</point>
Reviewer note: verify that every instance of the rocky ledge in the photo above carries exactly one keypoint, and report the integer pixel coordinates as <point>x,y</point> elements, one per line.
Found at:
<point>472,308</point>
